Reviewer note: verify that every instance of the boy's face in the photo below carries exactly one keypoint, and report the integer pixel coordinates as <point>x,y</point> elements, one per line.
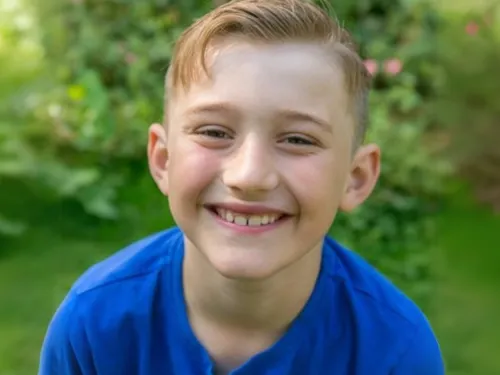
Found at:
<point>257,161</point>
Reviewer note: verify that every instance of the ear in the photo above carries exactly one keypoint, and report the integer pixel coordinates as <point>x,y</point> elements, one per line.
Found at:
<point>158,156</point>
<point>365,171</point>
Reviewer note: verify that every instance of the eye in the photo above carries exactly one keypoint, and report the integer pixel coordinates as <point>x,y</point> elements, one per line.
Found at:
<point>298,140</point>
<point>214,133</point>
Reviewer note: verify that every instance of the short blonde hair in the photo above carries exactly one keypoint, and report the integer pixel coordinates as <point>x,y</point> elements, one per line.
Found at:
<point>271,21</point>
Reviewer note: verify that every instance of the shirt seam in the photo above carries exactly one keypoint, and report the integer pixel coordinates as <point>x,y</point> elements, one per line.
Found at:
<point>339,272</point>
<point>157,267</point>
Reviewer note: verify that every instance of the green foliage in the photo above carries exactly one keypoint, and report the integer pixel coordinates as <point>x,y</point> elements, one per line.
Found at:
<point>19,71</point>
<point>469,105</point>
<point>402,29</point>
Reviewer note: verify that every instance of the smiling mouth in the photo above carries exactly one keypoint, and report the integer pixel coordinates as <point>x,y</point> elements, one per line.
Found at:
<point>253,220</point>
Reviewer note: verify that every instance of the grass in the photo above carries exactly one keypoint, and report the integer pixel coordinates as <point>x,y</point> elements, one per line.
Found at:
<point>33,278</point>
<point>37,270</point>
<point>467,300</point>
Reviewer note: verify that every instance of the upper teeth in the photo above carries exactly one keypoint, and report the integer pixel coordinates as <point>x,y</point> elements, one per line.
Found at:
<point>249,220</point>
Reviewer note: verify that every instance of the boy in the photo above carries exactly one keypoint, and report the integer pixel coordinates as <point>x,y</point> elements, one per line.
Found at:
<point>262,143</point>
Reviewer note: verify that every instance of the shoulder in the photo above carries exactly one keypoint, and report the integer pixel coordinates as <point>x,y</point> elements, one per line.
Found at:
<point>108,302</point>
<point>383,314</point>
<point>368,285</point>
<point>126,283</point>
<point>134,261</point>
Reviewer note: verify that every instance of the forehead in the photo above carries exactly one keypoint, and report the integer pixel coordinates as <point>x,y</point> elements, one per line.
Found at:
<point>261,78</point>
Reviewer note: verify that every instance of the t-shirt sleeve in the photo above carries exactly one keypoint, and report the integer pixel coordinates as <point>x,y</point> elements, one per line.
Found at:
<point>423,355</point>
<point>64,341</point>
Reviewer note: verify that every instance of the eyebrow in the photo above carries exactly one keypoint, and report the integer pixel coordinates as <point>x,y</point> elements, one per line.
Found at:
<point>218,107</point>
<point>294,115</point>
<point>282,114</point>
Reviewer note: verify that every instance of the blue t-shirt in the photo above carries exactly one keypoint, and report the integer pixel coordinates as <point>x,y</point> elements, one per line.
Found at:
<point>127,316</point>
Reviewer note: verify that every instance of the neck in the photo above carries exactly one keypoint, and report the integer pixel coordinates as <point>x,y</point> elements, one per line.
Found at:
<point>268,305</point>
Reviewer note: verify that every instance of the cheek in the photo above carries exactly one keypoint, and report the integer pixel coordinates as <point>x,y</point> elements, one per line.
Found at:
<point>192,167</point>
<point>317,183</point>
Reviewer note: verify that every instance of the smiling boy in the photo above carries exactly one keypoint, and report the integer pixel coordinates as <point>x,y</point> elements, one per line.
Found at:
<point>261,145</point>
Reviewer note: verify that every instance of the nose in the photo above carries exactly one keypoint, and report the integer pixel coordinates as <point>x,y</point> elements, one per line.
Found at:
<point>251,168</point>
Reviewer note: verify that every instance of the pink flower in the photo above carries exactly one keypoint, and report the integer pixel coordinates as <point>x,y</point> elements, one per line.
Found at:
<point>472,28</point>
<point>393,67</point>
<point>372,66</point>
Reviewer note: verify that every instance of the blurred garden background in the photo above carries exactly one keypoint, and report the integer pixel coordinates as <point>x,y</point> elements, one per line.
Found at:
<point>81,80</point>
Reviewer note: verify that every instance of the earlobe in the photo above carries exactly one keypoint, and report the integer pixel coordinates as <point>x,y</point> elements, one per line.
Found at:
<point>364,175</point>
<point>158,156</point>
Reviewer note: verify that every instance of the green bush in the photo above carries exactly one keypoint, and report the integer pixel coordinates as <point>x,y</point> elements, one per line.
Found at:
<point>19,73</point>
<point>107,60</point>
<point>468,106</point>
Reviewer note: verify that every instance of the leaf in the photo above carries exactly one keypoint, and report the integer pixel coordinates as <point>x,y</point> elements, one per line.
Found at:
<point>10,227</point>
<point>77,180</point>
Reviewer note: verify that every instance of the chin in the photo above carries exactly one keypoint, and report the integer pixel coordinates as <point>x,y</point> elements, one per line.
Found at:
<point>238,269</point>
